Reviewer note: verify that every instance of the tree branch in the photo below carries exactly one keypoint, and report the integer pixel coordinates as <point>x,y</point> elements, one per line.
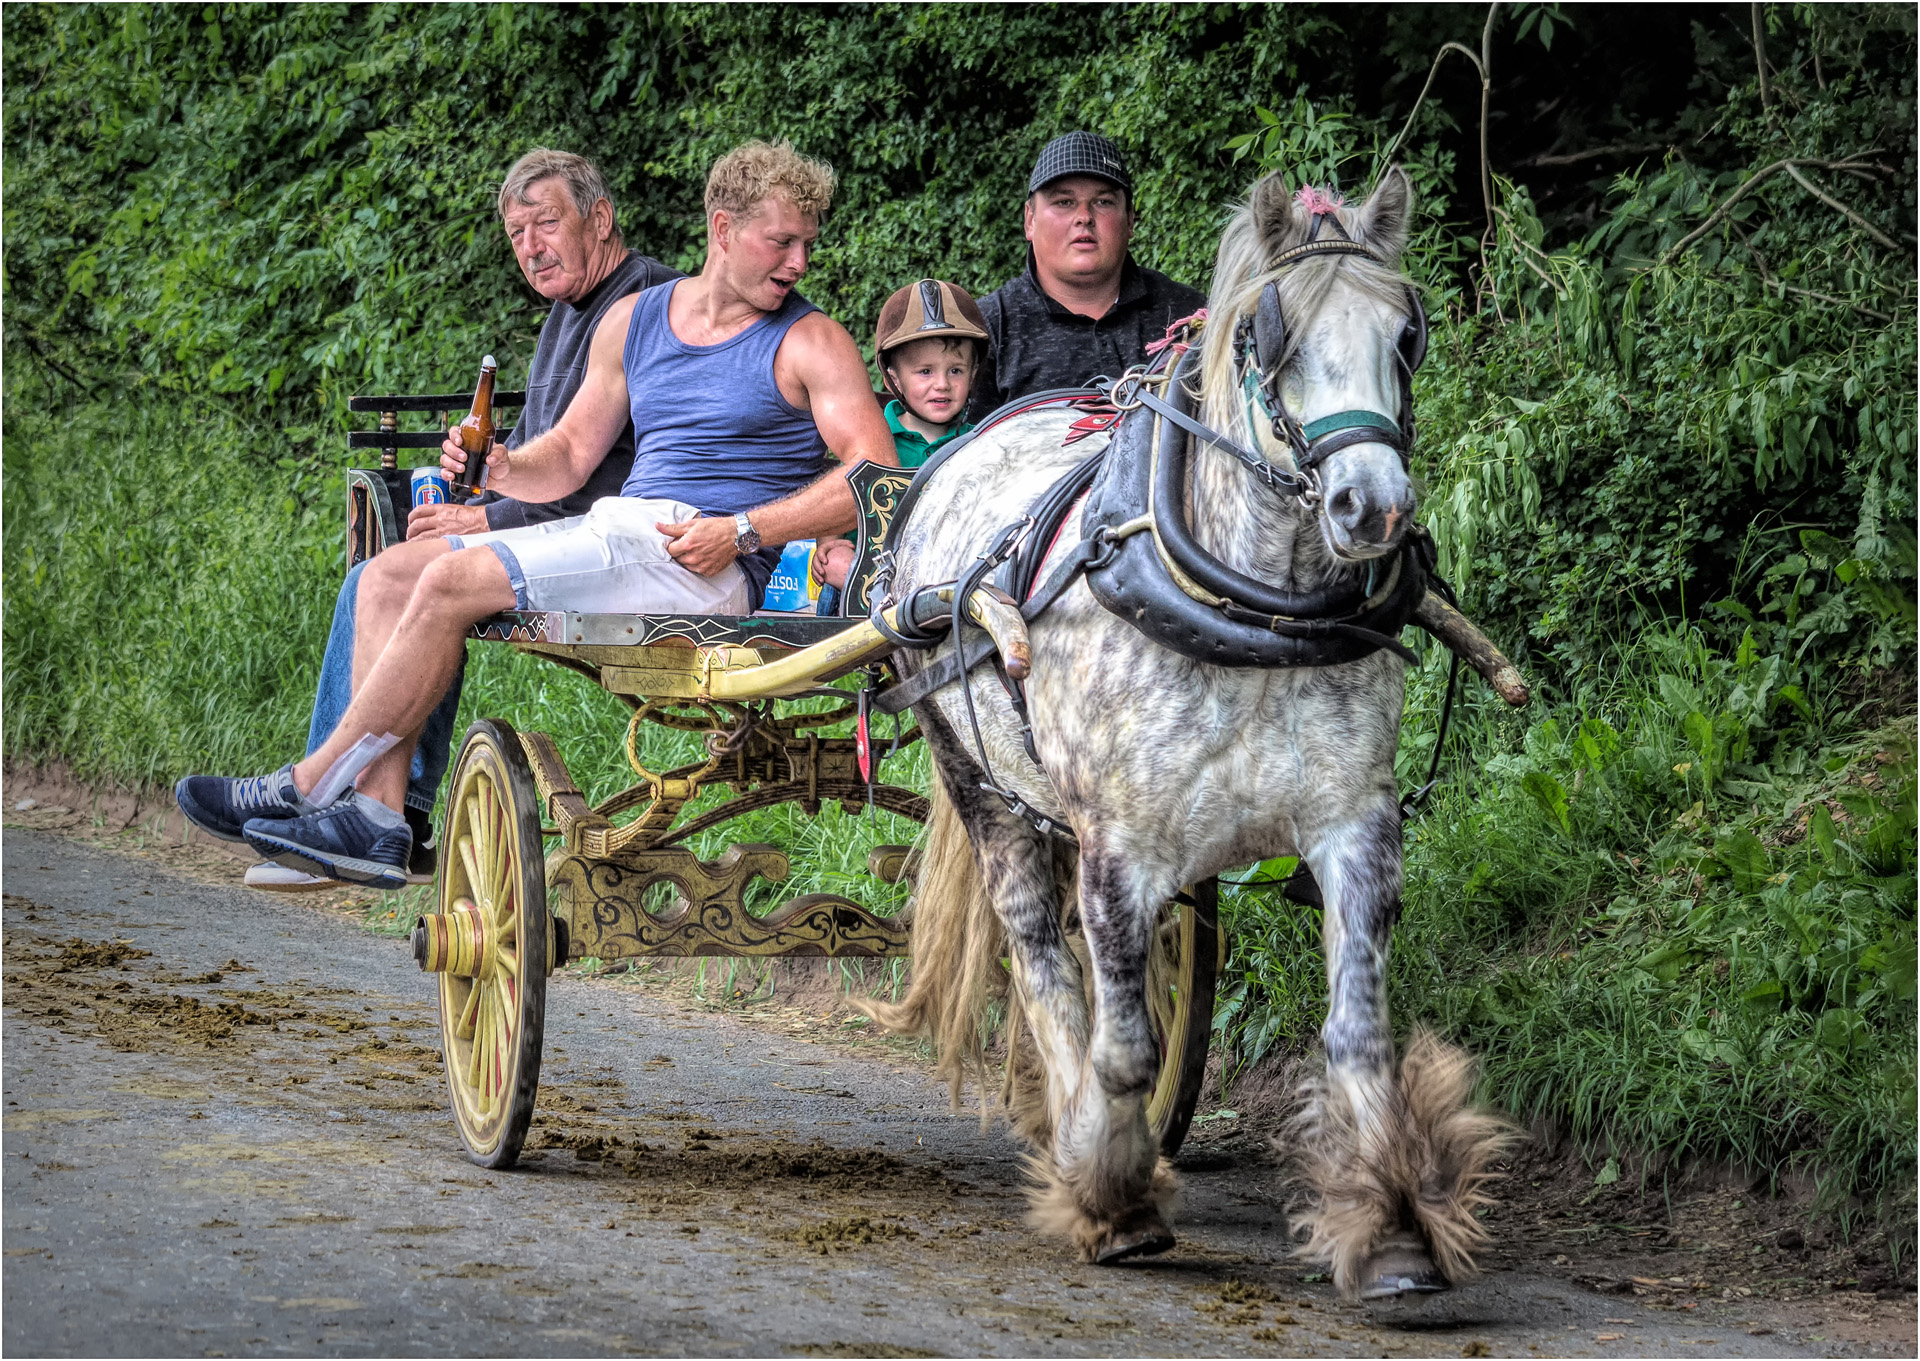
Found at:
<point>1486,96</point>
<point>1393,147</point>
<point>1760,53</point>
<point>1837,302</point>
<point>1594,153</point>
<point>1789,163</point>
<point>1839,207</point>
<point>1526,246</point>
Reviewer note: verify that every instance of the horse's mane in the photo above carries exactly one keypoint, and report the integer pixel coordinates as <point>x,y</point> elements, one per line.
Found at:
<point>1258,230</point>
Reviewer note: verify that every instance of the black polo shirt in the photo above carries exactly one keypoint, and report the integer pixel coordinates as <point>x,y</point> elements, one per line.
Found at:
<point>1040,344</point>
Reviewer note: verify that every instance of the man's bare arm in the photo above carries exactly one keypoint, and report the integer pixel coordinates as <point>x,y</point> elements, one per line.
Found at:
<point>827,365</point>
<point>559,462</point>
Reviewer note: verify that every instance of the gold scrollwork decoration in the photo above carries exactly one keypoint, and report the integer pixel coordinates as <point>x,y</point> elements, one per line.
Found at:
<point>603,900</point>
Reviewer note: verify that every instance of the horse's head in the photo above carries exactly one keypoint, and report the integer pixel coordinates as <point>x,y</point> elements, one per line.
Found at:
<point>1326,333</point>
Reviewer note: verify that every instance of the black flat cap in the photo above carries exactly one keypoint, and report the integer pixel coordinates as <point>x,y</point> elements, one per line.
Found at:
<point>1080,153</point>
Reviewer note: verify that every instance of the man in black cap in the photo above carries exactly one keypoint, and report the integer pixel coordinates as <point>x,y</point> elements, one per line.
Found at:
<point>1083,306</point>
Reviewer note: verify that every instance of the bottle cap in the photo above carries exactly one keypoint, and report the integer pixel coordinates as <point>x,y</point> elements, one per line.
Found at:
<point>487,363</point>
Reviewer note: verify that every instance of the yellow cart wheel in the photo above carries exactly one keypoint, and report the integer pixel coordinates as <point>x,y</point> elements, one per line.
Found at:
<point>490,943</point>
<point>1180,997</point>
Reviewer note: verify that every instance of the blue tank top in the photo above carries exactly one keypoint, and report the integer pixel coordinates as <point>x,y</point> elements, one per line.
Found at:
<point>710,427</point>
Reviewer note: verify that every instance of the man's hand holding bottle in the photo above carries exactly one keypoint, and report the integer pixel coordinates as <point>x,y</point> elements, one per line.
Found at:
<point>465,473</point>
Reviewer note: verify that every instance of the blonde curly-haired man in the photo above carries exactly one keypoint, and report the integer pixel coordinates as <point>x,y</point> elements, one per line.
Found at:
<point>737,388</point>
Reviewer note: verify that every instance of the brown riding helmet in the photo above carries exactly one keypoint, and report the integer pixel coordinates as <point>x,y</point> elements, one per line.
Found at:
<point>929,310</point>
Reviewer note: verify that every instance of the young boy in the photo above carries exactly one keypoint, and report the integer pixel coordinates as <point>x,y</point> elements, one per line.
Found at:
<point>929,343</point>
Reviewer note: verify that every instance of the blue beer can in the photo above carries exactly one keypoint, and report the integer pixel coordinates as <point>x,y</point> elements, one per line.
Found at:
<point>787,588</point>
<point>430,486</point>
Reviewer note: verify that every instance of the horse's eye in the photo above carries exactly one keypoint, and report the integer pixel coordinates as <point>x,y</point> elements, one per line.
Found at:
<point>1293,388</point>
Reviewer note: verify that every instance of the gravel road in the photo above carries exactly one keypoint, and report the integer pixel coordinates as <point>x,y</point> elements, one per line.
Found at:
<point>225,1134</point>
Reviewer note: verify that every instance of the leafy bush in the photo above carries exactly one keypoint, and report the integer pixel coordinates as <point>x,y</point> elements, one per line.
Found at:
<point>1676,913</point>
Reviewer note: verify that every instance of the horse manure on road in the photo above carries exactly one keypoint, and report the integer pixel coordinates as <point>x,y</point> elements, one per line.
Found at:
<point>76,984</point>
<point>837,1235</point>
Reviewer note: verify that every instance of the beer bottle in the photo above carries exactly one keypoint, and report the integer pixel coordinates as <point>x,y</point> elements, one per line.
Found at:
<point>475,434</point>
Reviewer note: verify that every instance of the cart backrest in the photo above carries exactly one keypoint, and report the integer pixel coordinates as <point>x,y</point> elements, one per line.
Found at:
<point>378,498</point>
<point>448,410</point>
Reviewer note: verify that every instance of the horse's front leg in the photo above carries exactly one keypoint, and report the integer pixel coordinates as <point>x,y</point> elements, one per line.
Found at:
<point>1107,1189</point>
<point>1393,1157</point>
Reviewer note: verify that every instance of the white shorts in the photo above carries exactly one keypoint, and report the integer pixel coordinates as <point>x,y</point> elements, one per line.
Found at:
<point>609,561</point>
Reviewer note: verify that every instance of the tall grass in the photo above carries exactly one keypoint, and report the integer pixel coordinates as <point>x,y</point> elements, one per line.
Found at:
<point>167,587</point>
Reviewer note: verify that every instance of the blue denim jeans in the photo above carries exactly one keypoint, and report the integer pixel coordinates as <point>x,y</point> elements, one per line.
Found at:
<point>336,691</point>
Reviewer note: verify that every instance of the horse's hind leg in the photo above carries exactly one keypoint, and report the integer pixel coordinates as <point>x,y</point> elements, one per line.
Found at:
<point>1020,872</point>
<point>1108,1189</point>
<point>1393,1158</point>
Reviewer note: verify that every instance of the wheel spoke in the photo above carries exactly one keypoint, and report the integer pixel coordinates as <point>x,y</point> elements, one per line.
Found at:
<point>470,864</point>
<point>476,1057</point>
<point>502,885</point>
<point>469,1013</point>
<point>509,961</point>
<point>503,1025</point>
<point>478,830</point>
<point>490,1076</point>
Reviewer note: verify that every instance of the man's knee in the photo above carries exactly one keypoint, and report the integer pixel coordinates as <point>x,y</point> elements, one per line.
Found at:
<point>465,585</point>
<point>390,577</point>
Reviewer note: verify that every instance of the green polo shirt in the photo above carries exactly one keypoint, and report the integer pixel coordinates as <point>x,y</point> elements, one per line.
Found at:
<point>913,447</point>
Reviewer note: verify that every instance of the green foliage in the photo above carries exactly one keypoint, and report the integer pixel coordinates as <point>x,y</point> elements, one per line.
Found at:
<point>288,204</point>
<point>1677,912</point>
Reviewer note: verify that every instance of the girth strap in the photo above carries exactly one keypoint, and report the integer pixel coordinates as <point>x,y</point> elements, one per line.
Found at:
<point>899,698</point>
<point>1047,515</point>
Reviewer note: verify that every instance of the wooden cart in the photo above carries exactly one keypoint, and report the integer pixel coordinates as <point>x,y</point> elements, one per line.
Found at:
<point>532,876</point>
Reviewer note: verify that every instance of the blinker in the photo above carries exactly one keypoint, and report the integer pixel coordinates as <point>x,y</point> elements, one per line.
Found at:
<point>1269,330</point>
<point>1413,336</point>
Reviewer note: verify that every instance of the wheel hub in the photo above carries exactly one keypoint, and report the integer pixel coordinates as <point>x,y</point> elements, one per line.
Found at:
<point>456,942</point>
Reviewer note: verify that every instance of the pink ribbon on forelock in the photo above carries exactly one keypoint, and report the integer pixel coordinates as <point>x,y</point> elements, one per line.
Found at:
<point>1318,201</point>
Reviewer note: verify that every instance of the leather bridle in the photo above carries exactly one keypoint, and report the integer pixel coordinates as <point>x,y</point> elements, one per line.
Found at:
<point>1263,348</point>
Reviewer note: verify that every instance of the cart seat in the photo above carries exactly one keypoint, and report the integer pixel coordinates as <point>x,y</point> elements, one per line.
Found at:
<point>768,630</point>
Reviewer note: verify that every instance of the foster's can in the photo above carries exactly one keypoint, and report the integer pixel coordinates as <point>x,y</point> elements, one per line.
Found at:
<point>430,486</point>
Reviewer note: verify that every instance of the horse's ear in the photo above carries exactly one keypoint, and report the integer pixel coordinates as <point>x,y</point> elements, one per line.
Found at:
<point>1273,209</point>
<point>1384,218</point>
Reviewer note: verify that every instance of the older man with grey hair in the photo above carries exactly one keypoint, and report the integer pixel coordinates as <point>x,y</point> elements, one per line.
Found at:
<point>565,234</point>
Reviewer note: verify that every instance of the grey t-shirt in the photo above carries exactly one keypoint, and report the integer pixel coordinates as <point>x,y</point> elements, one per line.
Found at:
<point>559,364</point>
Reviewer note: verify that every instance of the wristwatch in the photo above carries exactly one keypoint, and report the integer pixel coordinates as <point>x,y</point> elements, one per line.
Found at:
<point>746,539</point>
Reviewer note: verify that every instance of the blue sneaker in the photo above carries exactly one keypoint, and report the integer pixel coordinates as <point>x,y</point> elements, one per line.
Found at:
<point>222,807</point>
<point>357,839</point>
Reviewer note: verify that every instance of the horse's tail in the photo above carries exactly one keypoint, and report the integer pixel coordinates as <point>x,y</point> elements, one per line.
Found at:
<point>957,945</point>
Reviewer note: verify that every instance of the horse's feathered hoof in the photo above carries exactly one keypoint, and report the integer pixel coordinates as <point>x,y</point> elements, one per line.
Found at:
<point>1144,1234</point>
<point>1401,1267</point>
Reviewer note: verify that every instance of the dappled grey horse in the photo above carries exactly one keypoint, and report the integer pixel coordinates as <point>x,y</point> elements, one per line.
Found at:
<point>1167,769</point>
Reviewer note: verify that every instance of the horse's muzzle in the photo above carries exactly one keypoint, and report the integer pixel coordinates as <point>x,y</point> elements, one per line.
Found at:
<point>1365,516</point>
